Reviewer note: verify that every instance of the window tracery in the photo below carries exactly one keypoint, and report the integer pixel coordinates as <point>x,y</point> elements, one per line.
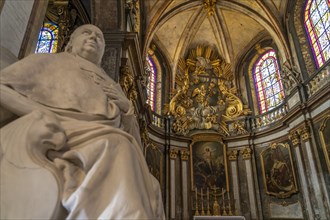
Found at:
<point>268,83</point>
<point>317,25</point>
<point>152,83</point>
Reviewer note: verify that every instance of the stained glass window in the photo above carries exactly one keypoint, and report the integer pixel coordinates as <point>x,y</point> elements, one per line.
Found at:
<point>152,82</point>
<point>48,38</point>
<point>317,24</point>
<point>268,82</point>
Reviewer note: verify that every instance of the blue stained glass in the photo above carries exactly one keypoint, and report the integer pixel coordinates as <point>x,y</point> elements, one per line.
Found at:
<point>48,38</point>
<point>315,17</point>
<point>324,41</point>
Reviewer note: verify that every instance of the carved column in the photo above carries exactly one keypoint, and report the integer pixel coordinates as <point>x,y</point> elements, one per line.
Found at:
<point>173,156</point>
<point>295,140</point>
<point>247,154</point>
<point>184,164</point>
<point>319,209</point>
<point>232,156</point>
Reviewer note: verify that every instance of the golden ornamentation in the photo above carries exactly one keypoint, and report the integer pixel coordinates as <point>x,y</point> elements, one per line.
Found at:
<point>173,153</point>
<point>209,5</point>
<point>205,96</point>
<point>184,154</point>
<point>247,153</point>
<point>232,155</point>
<point>239,128</point>
<point>295,138</point>
<point>305,133</point>
<point>127,82</point>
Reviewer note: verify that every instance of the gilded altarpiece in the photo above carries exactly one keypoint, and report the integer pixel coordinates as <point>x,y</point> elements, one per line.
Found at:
<point>204,95</point>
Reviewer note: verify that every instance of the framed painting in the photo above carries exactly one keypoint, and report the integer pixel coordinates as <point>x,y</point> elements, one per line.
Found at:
<point>324,132</point>
<point>278,171</point>
<point>209,164</point>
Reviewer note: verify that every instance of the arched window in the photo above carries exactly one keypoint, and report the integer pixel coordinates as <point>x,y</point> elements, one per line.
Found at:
<point>317,24</point>
<point>48,38</point>
<point>152,83</point>
<point>267,80</point>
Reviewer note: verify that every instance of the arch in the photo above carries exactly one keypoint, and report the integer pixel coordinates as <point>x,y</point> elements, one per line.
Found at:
<point>267,81</point>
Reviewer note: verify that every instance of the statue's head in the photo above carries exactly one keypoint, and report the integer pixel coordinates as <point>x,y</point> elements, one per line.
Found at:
<point>87,41</point>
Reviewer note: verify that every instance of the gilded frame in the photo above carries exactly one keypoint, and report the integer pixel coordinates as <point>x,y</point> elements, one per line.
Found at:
<point>324,132</point>
<point>278,171</point>
<point>209,164</point>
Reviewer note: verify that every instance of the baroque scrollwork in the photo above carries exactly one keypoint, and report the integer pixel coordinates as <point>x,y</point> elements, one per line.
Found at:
<point>127,82</point>
<point>205,97</point>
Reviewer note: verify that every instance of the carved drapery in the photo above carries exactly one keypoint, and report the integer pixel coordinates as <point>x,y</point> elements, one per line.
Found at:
<point>205,97</point>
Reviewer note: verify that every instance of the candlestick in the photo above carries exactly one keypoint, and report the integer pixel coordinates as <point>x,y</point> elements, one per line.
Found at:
<point>208,202</point>
<point>196,211</point>
<point>223,203</point>
<point>229,205</point>
<point>203,213</point>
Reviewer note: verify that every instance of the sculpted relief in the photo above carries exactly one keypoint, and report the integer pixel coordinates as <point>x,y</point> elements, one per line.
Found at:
<point>205,97</point>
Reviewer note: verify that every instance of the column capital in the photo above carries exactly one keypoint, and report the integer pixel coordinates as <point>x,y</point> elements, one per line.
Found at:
<point>295,138</point>
<point>232,155</point>
<point>305,133</point>
<point>184,154</point>
<point>247,153</point>
<point>174,153</point>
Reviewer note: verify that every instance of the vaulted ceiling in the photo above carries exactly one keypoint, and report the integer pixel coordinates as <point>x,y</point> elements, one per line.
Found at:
<point>230,26</point>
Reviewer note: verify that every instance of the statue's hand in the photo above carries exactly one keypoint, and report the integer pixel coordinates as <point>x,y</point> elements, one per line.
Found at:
<point>118,97</point>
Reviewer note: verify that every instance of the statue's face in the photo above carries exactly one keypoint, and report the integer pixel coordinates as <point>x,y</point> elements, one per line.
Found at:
<point>88,43</point>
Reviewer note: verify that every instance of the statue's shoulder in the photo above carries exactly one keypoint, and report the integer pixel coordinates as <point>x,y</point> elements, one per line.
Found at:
<point>44,57</point>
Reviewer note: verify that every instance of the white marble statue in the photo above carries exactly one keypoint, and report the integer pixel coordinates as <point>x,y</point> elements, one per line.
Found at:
<point>75,150</point>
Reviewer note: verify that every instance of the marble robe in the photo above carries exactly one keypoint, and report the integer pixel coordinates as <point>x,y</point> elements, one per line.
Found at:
<point>93,146</point>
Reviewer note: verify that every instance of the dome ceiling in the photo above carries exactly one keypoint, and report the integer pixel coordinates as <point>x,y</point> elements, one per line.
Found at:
<point>229,26</point>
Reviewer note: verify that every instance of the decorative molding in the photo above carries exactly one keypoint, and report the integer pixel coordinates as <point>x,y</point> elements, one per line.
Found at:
<point>232,155</point>
<point>247,153</point>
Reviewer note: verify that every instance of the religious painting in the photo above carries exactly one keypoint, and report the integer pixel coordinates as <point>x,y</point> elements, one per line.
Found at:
<point>325,139</point>
<point>278,171</point>
<point>209,164</point>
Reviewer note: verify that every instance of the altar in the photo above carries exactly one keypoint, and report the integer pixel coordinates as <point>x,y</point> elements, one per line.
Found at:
<point>219,218</point>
